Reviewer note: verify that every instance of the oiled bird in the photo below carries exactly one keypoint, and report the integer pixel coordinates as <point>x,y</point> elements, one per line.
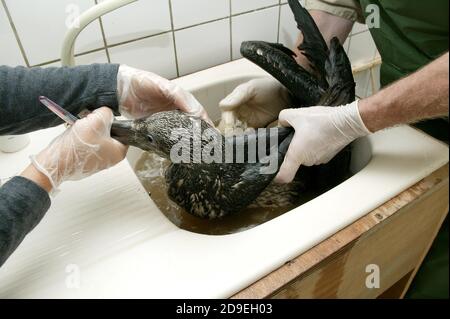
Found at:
<point>215,175</point>
<point>330,83</point>
<point>216,189</point>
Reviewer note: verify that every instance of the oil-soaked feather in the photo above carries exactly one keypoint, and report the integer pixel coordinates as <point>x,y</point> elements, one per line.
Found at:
<point>282,48</point>
<point>313,46</point>
<point>300,83</point>
<point>339,76</point>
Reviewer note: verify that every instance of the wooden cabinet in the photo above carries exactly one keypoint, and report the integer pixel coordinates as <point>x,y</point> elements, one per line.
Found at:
<point>385,247</point>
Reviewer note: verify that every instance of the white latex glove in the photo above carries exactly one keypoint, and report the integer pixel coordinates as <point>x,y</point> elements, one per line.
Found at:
<point>82,150</point>
<point>320,133</point>
<point>142,93</point>
<point>256,103</point>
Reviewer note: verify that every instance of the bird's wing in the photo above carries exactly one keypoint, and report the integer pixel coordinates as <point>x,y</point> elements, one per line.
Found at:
<point>313,46</point>
<point>278,61</point>
<point>339,76</point>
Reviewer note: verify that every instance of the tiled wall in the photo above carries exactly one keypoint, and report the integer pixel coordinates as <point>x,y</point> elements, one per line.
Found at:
<point>169,37</point>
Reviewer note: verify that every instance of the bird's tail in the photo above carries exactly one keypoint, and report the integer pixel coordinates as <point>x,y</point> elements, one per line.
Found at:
<point>339,76</point>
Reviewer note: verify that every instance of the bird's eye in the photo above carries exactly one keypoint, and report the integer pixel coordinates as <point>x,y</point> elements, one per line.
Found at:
<point>150,138</point>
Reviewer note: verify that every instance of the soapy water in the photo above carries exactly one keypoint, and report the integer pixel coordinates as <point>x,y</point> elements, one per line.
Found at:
<point>151,168</point>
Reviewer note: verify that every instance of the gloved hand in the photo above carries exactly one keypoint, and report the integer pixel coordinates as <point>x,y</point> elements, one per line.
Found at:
<point>257,103</point>
<point>320,133</point>
<point>82,150</point>
<point>142,93</point>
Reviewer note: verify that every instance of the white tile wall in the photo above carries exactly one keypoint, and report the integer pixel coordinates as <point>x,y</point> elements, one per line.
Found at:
<point>257,25</point>
<point>155,54</point>
<point>169,37</point>
<point>139,19</point>
<point>239,6</point>
<point>9,53</point>
<point>93,57</point>
<point>203,46</point>
<point>288,27</point>
<point>41,25</point>
<point>189,12</point>
<point>83,59</point>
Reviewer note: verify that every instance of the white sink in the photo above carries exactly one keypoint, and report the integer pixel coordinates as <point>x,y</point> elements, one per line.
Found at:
<point>104,237</point>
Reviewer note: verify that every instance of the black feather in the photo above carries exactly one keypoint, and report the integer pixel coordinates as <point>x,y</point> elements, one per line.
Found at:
<point>313,46</point>
<point>279,62</point>
<point>339,76</point>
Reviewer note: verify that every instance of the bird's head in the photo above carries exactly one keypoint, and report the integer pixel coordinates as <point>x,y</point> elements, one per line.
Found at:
<point>159,132</point>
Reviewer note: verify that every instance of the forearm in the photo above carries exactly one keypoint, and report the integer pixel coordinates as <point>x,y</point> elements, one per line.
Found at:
<point>22,205</point>
<point>422,95</point>
<point>74,88</point>
<point>330,26</point>
<point>32,174</point>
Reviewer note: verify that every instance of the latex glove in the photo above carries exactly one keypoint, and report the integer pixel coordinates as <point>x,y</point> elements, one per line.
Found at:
<point>257,103</point>
<point>320,133</point>
<point>82,150</point>
<point>142,93</point>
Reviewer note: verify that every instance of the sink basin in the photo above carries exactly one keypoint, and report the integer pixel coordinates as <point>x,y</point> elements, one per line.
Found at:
<point>150,168</point>
<point>104,237</point>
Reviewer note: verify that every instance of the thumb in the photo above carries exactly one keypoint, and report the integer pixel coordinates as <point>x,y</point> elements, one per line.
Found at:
<point>101,120</point>
<point>290,166</point>
<point>240,95</point>
<point>285,117</point>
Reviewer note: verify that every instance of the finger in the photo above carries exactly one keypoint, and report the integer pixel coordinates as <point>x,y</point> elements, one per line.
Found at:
<point>204,116</point>
<point>105,115</point>
<point>240,95</point>
<point>193,107</point>
<point>285,117</point>
<point>289,168</point>
<point>120,148</point>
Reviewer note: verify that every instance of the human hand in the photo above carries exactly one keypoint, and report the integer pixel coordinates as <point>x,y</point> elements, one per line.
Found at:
<point>142,93</point>
<point>82,150</point>
<point>320,133</point>
<point>257,103</point>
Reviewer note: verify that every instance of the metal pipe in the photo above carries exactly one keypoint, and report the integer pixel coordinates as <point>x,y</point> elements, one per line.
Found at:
<point>90,15</point>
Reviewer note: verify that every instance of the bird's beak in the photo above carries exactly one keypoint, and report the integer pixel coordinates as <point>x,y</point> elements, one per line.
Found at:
<point>122,131</point>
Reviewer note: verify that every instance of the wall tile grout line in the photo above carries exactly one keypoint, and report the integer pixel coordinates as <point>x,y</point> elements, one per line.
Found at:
<point>229,15</point>
<point>104,37</point>
<point>279,22</point>
<point>202,23</point>
<point>255,10</point>
<point>138,39</point>
<point>174,39</point>
<point>76,55</point>
<point>108,47</point>
<point>173,30</point>
<point>16,34</point>
<point>224,18</point>
<point>231,30</point>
